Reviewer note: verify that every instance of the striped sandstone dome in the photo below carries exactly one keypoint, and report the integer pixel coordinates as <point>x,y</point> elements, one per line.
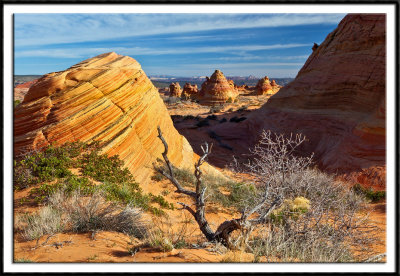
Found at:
<point>107,98</point>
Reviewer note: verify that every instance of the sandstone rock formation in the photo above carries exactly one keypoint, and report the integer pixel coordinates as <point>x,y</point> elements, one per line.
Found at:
<point>189,91</point>
<point>106,98</point>
<point>266,87</point>
<point>20,90</point>
<point>337,100</point>
<point>217,89</point>
<point>175,90</point>
<point>232,83</point>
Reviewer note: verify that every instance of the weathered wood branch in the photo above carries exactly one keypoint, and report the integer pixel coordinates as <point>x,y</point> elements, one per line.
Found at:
<point>227,227</point>
<point>187,207</point>
<point>257,207</point>
<point>170,176</point>
<point>263,217</point>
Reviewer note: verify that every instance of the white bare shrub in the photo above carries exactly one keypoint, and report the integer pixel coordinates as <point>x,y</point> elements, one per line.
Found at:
<point>326,229</point>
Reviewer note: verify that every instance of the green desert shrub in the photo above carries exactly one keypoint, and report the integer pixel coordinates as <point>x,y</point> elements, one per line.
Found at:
<point>104,168</point>
<point>46,165</point>
<point>157,177</point>
<point>55,163</point>
<point>238,194</point>
<point>69,185</point>
<point>369,194</point>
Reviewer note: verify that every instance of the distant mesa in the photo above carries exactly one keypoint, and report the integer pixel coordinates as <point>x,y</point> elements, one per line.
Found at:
<point>217,90</point>
<point>337,101</point>
<point>106,98</point>
<point>266,87</point>
<point>175,90</point>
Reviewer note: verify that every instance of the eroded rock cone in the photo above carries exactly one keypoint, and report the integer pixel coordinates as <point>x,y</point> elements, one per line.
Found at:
<point>263,86</point>
<point>107,98</point>
<point>175,90</point>
<point>337,100</point>
<point>266,87</point>
<point>217,89</point>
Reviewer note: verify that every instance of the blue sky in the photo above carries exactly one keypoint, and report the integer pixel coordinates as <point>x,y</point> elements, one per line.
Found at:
<point>276,45</point>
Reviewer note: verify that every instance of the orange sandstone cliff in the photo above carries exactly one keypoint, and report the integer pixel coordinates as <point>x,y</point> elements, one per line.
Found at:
<point>106,98</point>
<point>337,100</point>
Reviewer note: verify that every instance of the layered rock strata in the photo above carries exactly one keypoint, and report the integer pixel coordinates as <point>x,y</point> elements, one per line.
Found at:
<point>107,98</point>
<point>217,89</point>
<point>337,101</point>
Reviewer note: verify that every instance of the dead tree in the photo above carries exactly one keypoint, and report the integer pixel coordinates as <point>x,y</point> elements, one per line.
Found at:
<point>225,229</point>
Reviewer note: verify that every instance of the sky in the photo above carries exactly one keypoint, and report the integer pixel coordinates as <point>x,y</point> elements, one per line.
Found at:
<point>274,45</point>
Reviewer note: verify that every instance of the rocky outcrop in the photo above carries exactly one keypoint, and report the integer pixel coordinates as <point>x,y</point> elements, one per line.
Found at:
<point>20,90</point>
<point>107,98</point>
<point>175,90</point>
<point>232,83</point>
<point>274,84</point>
<point>189,91</point>
<point>337,100</point>
<point>266,87</point>
<point>217,89</point>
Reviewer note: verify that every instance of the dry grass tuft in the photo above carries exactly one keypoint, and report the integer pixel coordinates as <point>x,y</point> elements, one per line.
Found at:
<point>46,221</point>
<point>83,214</point>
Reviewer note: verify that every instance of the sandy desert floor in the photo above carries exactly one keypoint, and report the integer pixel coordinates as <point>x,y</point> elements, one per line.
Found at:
<point>119,248</point>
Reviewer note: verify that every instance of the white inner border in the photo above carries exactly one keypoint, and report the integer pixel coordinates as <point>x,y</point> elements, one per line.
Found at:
<point>389,266</point>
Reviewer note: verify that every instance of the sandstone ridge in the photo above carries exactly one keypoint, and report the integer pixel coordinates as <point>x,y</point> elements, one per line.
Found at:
<point>337,100</point>
<point>106,98</point>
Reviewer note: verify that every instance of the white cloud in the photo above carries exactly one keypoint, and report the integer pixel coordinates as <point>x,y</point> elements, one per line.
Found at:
<point>135,51</point>
<point>42,29</point>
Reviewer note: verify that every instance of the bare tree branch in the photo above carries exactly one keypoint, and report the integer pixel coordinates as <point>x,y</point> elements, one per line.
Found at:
<point>227,227</point>
<point>170,176</point>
